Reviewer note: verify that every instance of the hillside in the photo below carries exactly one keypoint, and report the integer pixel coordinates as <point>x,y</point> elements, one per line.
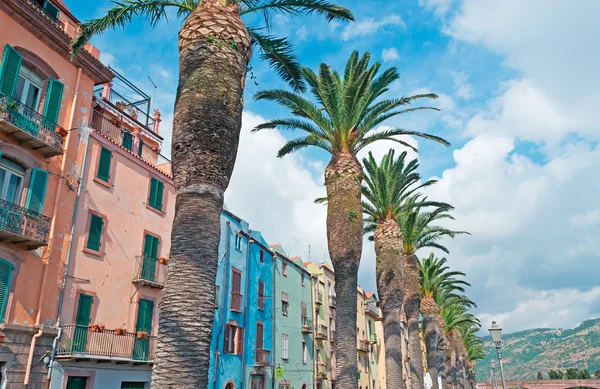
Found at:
<point>525,353</point>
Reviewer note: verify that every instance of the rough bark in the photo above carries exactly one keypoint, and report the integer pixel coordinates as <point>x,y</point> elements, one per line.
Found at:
<point>430,311</point>
<point>390,288</point>
<point>441,359</point>
<point>412,302</point>
<point>214,49</point>
<point>343,177</point>
<point>460,361</point>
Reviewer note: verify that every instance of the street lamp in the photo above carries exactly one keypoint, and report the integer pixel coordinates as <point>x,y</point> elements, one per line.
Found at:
<point>494,382</point>
<point>496,333</point>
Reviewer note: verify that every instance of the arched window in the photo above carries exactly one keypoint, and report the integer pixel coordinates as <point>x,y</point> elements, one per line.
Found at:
<point>230,385</point>
<point>304,386</point>
<point>12,176</point>
<point>6,269</point>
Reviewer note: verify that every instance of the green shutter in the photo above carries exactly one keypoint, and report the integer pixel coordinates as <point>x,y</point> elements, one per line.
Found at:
<point>155,198</point>
<point>84,310</point>
<point>144,317</point>
<point>159,195</point>
<point>37,190</point>
<point>104,164</point>
<point>151,246</point>
<point>51,9</point>
<point>9,70</point>
<point>6,269</point>
<point>95,233</point>
<point>76,382</point>
<point>127,140</point>
<point>53,100</point>
<point>140,147</point>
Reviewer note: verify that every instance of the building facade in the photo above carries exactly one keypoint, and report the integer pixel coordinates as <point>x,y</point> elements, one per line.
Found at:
<point>45,97</point>
<point>294,342</point>
<point>119,257</point>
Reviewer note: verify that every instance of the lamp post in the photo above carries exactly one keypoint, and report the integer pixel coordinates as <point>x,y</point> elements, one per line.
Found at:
<point>494,382</point>
<point>496,333</point>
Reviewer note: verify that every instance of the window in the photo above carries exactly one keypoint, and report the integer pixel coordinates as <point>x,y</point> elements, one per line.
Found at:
<point>304,352</point>
<point>95,232</point>
<point>318,357</point>
<point>257,382</point>
<point>284,346</point>
<point>12,176</point>
<point>127,140</point>
<point>284,268</point>
<point>133,385</point>
<point>155,197</point>
<point>103,172</point>
<point>260,336</point>
<point>303,280</point>
<point>236,287</point>
<point>285,305</point>
<point>261,295</point>
<point>6,269</point>
<point>238,242</point>
<point>76,382</point>
<point>233,340</point>
<point>303,314</point>
<point>262,256</point>
<point>37,190</point>
<point>29,88</point>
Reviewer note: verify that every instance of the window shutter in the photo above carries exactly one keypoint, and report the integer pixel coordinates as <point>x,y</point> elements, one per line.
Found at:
<point>9,71</point>
<point>226,343</point>
<point>84,310</point>
<point>144,317</point>
<point>6,269</point>
<point>236,280</point>
<point>104,164</point>
<point>261,293</point>
<point>95,233</point>
<point>37,190</point>
<point>155,197</point>
<point>127,140</point>
<point>303,309</point>
<point>260,335</point>
<point>240,342</point>
<point>159,195</point>
<point>53,100</point>
<point>140,147</point>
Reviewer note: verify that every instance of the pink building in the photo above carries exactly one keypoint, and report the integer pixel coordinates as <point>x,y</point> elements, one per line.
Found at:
<point>119,258</point>
<point>44,98</point>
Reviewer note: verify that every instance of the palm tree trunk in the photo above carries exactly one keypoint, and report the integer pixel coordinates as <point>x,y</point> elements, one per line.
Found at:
<point>429,311</point>
<point>441,358</point>
<point>343,178</point>
<point>206,128</point>
<point>390,288</point>
<point>412,304</point>
<point>449,362</point>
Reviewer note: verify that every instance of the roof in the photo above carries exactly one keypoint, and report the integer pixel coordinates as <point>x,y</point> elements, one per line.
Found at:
<point>307,263</point>
<point>369,294</point>
<point>60,4</point>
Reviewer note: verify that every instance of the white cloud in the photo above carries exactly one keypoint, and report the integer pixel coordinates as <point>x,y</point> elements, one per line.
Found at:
<point>463,88</point>
<point>302,33</point>
<point>370,26</point>
<point>108,59</point>
<point>439,7</point>
<point>390,55</point>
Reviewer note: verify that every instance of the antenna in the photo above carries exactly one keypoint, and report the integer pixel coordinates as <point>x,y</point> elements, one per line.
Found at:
<point>153,95</point>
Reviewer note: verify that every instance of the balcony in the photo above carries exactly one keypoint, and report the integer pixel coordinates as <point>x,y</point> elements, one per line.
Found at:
<point>262,357</point>
<point>22,226</point>
<point>306,325</point>
<point>236,302</point>
<point>29,128</point>
<point>131,109</point>
<point>82,343</point>
<point>332,335</point>
<point>150,271</point>
<point>321,373</point>
<point>332,301</point>
<point>319,298</point>
<point>321,332</point>
<point>372,310</point>
<point>373,338</point>
<point>363,345</point>
<point>110,129</point>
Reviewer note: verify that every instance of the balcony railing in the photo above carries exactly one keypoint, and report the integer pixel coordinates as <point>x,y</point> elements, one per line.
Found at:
<point>371,309</point>
<point>319,297</point>
<point>306,325</point>
<point>321,332</point>
<point>22,225</point>
<point>262,357</point>
<point>83,342</point>
<point>236,302</point>
<point>373,338</point>
<point>332,301</point>
<point>29,127</point>
<point>150,271</point>
<point>363,345</point>
<point>322,373</point>
<point>133,111</point>
<point>112,131</point>
<point>40,5</point>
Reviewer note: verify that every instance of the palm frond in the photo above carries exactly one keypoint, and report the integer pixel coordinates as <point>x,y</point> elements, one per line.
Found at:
<point>299,7</point>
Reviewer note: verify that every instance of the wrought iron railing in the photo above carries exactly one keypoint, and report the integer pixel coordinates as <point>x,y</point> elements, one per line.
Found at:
<point>372,309</point>
<point>319,297</point>
<point>373,338</point>
<point>30,121</point>
<point>24,222</point>
<point>150,270</point>
<point>362,345</point>
<point>332,301</point>
<point>322,332</point>
<point>262,357</point>
<point>236,302</point>
<point>82,341</point>
<point>128,107</point>
<point>109,129</point>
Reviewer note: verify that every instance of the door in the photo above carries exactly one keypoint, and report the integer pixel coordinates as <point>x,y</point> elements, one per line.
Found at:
<point>76,382</point>
<point>141,345</point>
<point>82,322</point>
<point>150,257</point>
<point>257,382</point>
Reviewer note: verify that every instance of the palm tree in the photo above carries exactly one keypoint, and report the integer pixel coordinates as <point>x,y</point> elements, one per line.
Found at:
<point>342,121</point>
<point>475,350</point>
<point>386,188</point>
<point>439,286</point>
<point>418,232</point>
<point>215,49</point>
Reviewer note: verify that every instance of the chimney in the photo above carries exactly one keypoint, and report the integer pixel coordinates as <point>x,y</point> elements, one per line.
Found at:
<point>106,91</point>
<point>156,120</point>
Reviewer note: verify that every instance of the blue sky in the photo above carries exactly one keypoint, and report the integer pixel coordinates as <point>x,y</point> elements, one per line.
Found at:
<point>518,91</point>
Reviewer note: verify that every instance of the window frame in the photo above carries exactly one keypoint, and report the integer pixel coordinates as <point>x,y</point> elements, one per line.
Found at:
<point>12,172</point>
<point>285,341</point>
<point>284,268</point>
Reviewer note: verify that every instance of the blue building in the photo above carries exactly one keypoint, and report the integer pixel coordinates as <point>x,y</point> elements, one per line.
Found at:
<point>241,345</point>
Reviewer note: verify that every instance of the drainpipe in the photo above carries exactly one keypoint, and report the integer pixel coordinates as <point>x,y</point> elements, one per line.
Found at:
<point>246,307</point>
<point>273,299</point>
<point>48,250</point>
<point>222,313</point>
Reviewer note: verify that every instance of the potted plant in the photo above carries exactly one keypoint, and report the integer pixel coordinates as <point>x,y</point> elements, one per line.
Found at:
<point>101,327</point>
<point>120,331</point>
<point>132,112</point>
<point>94,328</point>
<point>163,260</point>
<point>142,334</point>
<point>61,131</point>
<point>121,105</point>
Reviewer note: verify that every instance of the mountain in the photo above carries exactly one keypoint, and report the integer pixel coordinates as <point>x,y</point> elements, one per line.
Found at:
<point>525,353</point>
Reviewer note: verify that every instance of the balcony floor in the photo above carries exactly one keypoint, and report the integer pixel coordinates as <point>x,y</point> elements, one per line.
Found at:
<point>28,243</point>
<point>26,139</point>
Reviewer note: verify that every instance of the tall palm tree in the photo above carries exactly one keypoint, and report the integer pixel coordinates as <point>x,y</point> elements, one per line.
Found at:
<point>475,350</point>
<point>418,232</point>
<point>342,121</point>
<point>439,285</point>
<point>387,185</point>
<point>215,49</point>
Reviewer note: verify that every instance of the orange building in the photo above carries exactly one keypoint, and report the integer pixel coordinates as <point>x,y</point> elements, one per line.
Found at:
<point>44,99</point>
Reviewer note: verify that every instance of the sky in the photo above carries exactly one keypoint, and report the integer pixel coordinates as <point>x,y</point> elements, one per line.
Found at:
<point>518,92</point>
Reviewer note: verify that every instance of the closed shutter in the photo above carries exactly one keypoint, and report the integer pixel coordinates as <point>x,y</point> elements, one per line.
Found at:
<point>261,293</point>
<point>260,336</point>
<point>6,269</point>
<point>95,232</point>
<point>226,348</point>
<point>76,382</point>
<point>284,347</point>
<point>159,195</point>
<point>104,164</point>
<point>151,246</point>
<point>236,281</point>
<point>239,340</point>
<point>9,72</point>
<point>84,310</point>
<point>144,317</point>
<point>127,140</point>
<point>37,190</point>
<point>155,197</point>
<point>303,310</point>
<point>53,100</point>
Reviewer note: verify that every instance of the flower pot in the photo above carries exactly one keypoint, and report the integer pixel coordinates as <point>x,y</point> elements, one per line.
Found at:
<point>142,334</point>
<point>120,106</point>
<point>94,327</point>
<point>119,331</point>
<point>61,131</point>
<point>101,328</point>
<point>163,260</point>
